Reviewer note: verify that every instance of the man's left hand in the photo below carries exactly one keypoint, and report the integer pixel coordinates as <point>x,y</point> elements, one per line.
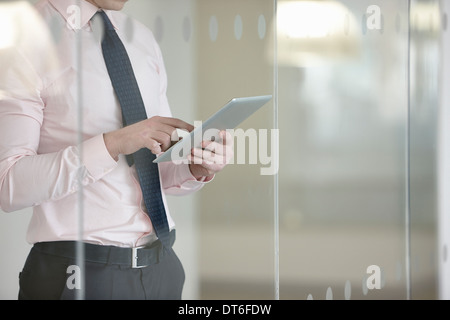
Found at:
<point>212,157</point>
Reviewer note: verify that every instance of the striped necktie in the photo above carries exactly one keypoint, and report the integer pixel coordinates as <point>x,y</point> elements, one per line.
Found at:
<point>133,110</point>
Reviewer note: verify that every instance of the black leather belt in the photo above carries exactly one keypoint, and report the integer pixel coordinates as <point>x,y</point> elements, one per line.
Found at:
<point>137,257</point>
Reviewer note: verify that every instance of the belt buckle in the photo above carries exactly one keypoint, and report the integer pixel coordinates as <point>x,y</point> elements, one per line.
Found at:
<point>135,258</point>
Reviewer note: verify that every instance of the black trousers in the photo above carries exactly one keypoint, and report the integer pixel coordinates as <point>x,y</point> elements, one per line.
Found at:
<point>48,277</point>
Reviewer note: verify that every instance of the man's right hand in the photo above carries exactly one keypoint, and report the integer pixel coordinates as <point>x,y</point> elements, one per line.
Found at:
<point>154,133</point>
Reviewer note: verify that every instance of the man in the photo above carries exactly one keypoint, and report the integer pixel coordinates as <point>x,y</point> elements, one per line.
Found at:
<point>43,162</point>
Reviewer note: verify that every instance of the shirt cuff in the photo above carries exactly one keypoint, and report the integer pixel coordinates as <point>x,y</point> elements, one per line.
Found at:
<point>96,157</point>
<point>206,179</point>
<point>189,179</point>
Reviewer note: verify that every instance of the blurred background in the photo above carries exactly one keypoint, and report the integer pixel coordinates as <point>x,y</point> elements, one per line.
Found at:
<point>357,175</point>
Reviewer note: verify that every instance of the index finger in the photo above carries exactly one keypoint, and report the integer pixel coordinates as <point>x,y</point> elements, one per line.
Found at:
<point>178,123</point>
<point>226,138</point>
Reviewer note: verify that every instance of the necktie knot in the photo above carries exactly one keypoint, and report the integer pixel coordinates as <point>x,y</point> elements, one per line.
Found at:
<point>106,22</point>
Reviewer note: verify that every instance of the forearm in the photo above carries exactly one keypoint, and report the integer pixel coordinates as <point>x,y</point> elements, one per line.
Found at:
<point>28,180</point>
<point>177,179</point>
<point>35,179</point>
<point>154,134</point>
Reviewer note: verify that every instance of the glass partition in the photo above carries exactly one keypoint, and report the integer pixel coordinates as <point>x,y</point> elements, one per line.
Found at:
<point>215,51</point>
<point>332,189</point>
<point>236,212</point>
<point>427,23</point>
<point>343,114</point>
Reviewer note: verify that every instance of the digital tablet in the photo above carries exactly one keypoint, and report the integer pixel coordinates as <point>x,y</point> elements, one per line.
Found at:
<point>228,117</point>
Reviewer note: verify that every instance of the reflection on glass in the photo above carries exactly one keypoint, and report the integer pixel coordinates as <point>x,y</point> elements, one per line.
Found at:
<point>24,37</point>
<point>426,24</point>
<point>236,212</point>
<point>343,96</point>
<point>315,32</point>
<point>357,91</point>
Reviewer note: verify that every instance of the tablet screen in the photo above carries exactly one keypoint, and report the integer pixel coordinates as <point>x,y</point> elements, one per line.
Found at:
<point>228,117</point>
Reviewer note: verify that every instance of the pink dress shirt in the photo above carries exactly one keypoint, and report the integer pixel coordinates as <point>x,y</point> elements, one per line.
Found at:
<point>41,159</point>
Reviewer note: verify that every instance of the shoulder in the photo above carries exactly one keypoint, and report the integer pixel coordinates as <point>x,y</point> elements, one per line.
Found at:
<point>45,8</point>
<point>138,35</point>
<point>134,30</point>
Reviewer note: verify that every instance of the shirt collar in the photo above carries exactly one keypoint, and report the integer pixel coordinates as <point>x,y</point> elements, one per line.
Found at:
<point>68,8</point>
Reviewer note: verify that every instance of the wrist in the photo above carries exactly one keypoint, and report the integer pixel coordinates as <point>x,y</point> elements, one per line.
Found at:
<point>111,146</point>
<point>199,174</point>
